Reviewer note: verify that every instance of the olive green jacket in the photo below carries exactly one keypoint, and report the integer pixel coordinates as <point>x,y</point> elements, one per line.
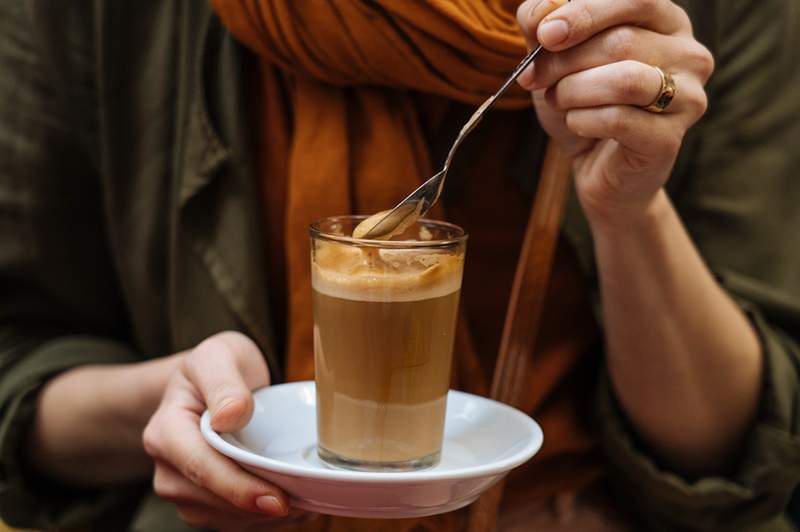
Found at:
<point>130,228</point>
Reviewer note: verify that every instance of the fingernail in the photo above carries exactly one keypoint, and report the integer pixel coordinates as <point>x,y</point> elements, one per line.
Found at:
<point>224,404</point>
<point>553,32</point>
<point>221,415</point>
<point>270,505</point>
<point>230,407</point>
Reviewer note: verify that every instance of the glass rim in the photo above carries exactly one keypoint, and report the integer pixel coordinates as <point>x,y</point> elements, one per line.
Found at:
<point>316,232</point>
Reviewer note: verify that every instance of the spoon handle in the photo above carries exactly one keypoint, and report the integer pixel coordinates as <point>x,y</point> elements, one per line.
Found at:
<point>521,66</point>
<point>517,71</point>
<point>477,116</point>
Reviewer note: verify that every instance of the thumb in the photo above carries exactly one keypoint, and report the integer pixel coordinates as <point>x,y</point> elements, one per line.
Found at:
<point>529,14</point>
<point>224,369</point>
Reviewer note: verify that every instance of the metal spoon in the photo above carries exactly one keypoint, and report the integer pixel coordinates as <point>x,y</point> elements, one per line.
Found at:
<point>423,198</point>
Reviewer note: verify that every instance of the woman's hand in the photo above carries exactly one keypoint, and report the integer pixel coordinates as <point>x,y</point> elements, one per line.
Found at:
<point>209,489</point>
<point>684,361</point>
<point>591,86</point>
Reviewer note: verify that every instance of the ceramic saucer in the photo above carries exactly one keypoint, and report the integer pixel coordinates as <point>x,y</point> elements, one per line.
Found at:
<point>483,440</point>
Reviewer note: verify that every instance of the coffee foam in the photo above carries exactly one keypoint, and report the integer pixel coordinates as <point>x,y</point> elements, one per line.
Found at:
<point>370,223</point>
<point>371,274</point>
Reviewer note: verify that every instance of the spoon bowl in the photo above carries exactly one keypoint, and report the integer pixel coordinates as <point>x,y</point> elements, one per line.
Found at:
<point>419,202</point>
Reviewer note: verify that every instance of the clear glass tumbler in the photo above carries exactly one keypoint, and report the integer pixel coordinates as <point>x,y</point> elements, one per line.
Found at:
<point>385,314</point>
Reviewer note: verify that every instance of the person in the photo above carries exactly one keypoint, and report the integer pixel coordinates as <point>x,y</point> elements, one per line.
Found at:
<point>160,163</point>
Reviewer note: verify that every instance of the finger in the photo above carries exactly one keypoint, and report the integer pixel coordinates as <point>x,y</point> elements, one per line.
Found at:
<point>647,135</point>
<point>624,83</point>
<point>622,43</point>
<point>224,368</point>
<point>530,12</point>
<point>533,10</point>
<point>170,485</point>
<point>579,20</point>
<point>176,440</point>
<point>200,507</point>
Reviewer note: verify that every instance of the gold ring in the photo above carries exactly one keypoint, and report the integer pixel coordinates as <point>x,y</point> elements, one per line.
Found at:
<point>665,95</point>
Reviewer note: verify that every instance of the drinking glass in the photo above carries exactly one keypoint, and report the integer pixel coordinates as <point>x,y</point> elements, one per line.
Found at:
<point>385,314</point>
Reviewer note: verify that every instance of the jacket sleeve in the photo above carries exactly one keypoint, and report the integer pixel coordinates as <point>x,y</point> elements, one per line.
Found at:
<point>740,201</point>
<point>59,303</point>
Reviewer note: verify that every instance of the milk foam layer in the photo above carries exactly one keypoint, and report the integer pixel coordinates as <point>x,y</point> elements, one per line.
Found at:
<point>371,274</point>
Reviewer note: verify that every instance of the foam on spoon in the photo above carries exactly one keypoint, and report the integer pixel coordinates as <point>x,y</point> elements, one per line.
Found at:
<point>369,224</point>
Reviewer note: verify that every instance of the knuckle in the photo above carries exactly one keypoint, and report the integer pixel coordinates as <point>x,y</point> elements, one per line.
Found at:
<point>557,96</point>
<point>698,59</point>
<point>158,483</point>
<point>620,42</point>
<point>692,98</point>
<point>702,106</point>
<point>162,487</point>
<point>197,355</point>
<point>151,440</point>
<point>238,343</point>
<point>648,5</point>
<point>194,469</point>
<point>682,15</point>
<point>616,121</point>
<point>205,348</point>
<point>573,123</point>
<point>226,343</point>
<point>698,103</point>
<point>674,147</point>
<point>631,83</point>
<point>239,495</point>
<point>672,144</point>
<point>233,337</point>
<point>704,61</point>
<point>584,20</point>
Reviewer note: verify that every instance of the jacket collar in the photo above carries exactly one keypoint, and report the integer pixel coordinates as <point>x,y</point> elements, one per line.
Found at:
<point>204,150</point>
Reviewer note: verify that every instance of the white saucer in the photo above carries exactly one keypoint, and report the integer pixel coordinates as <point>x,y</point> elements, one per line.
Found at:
<point>483,440</point>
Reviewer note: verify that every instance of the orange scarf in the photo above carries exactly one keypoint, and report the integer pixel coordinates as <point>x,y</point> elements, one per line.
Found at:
<point>350,72</point>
